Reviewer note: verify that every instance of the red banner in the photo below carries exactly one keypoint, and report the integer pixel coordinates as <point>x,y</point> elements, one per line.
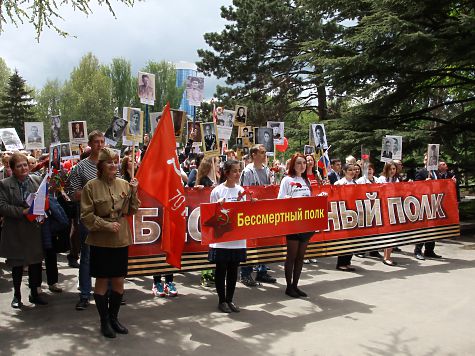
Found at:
<point>222,222</point>
<point>360,217</point>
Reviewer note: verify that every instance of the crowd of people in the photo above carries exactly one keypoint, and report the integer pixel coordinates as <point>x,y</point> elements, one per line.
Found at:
<point>99,191</point>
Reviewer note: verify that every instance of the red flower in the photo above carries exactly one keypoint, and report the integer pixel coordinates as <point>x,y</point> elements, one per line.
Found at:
<point>275,169</point>
<point>364,157</point>
<point>55,171</point>
<point>295,184</point>
<point>243,194</point>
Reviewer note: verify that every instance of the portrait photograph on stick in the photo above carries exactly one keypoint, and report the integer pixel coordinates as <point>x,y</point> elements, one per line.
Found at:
<point>265,137</point>
<point>34,135</point>
<point>432,157</point>
<point>387,150</point>
<point>154,119</point>
<point>10,139</point>
<point>225,123</point>
<point>319,136</point>
<point>210,138</point>
<point>241,115</point>
<point>55,129</point>
<point>179,119</point>
<point>134,130</point>
<point>55,156</point>
<point>146,88</point>
<point>396,146</point>
<point>65,151</point>
<point>277,131</point>
<point>77,131</point>
<point>308,150</point>
<point>194,131</point>
<point>115,131</point>
<point>195,90</point>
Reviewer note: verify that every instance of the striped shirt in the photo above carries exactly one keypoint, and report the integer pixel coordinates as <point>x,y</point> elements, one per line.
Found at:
<point>81,173</point>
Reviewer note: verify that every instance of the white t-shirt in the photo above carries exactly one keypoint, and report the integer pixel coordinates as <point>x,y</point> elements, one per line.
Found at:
<point>230,195</point>
<point>383,179</point>
<point>344,181</point>
<point>286,189</point>
<point>365,180</point>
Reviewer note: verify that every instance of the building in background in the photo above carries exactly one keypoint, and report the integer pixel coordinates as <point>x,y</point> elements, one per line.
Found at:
<point>183,71</point>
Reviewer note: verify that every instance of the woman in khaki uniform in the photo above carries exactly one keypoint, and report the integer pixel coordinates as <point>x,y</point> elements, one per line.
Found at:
<point>105,203</point>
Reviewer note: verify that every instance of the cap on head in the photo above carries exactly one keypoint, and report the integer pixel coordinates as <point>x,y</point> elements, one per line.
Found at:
<point>107,154</point>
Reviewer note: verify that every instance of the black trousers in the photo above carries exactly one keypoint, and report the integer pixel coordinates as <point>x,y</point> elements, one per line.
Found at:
<point>429,247</point>
<point>344,260</point>
<point>34,278</point>
<point>51,263</point>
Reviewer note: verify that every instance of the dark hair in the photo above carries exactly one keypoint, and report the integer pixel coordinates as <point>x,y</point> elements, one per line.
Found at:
<point>227,166</point>
<point>292,172</point>
<point>255,149</point>
<point>387,167</point>
<point>361,170</point>
<point>335,160</point>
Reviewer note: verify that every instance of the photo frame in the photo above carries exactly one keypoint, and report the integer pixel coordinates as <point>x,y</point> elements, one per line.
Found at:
<point>209,136</point>
<point>432,157</point>
<point>277,131</point>
<point>146,88</point>
<point>240,116</point>
<point>134,130</point>
<point>77,131</point>
<point>34,135</point>
<point>319,136</point>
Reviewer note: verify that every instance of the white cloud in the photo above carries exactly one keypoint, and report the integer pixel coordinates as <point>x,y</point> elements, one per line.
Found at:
<point>151,30</point>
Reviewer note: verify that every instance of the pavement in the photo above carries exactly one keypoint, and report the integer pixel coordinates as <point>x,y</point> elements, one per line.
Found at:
<point>418,308</point>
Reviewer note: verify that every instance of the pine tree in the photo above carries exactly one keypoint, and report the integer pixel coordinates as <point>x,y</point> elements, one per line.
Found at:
<point>17,106</point>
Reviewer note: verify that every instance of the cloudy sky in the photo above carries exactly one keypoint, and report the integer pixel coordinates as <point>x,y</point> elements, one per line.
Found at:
<point>151,30</point>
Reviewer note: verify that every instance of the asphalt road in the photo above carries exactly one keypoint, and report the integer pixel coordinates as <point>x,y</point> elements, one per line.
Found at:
<point>418,308</point>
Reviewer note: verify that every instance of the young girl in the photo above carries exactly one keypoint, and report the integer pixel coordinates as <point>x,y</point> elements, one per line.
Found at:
<point>227,255</point>
<point>295,185</point>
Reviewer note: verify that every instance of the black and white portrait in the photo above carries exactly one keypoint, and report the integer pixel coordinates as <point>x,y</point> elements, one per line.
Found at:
<point>241,116</point>
<point>265,137</point>
<point>194,90</point>
<point>209,134</point>
<point>225,121</point>
<point>308,150</point>
<point>34,135</point>
<point>134,130</point>
<point>154,119</point>
<point>432,157</point>
<point>146,88</point>
<point>55,129</point>
<point>10,139</point>
<point>396,146</point>
<point>77,131</point>
<point>387,149</point>
<point>239,142</point>
<point>115,130</point>
<point>319,136</point>
<point>277,131</point>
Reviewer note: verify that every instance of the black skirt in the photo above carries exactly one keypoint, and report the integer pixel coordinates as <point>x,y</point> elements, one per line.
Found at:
<point>227,255</point>
<point>303,236</point>
<point>109,262</point>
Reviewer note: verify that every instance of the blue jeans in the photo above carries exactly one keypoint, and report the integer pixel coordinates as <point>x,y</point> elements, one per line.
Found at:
<point>247,270</point>
<point>84,274</point>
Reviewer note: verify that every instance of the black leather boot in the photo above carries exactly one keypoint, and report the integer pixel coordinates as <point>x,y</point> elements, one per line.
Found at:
<point>102,308</point>
<point>114,306</point>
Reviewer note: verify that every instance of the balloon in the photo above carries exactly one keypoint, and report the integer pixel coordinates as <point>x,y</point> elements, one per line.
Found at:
<point>283,147</point>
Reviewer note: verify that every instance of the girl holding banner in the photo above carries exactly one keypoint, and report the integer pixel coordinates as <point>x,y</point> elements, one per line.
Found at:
<point>227,255</point>
<point>295,185</point>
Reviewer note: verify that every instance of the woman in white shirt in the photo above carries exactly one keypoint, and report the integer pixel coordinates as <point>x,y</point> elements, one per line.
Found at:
<point>389,175</point>
<point>343,262</point>
<point>295,185</point>
<point>227,255</point>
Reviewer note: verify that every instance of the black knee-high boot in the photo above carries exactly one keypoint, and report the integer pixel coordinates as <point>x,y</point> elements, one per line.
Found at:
<point>114,306</point>
<point>103,309</point>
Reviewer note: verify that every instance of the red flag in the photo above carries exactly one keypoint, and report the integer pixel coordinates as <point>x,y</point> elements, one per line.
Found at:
<point>159,176</point>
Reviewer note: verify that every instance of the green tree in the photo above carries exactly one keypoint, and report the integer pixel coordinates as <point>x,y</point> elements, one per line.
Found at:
<point>5,73</point>
<point>49,102</point>
<point>258,51</point>
<point>17,105</point>
<point>46,12</point>
<point>87,95</point>
<point>120,73</point>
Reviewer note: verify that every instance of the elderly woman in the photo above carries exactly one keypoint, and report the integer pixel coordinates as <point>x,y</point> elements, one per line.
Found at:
<point>105,203</point>
<point>21,239</point>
